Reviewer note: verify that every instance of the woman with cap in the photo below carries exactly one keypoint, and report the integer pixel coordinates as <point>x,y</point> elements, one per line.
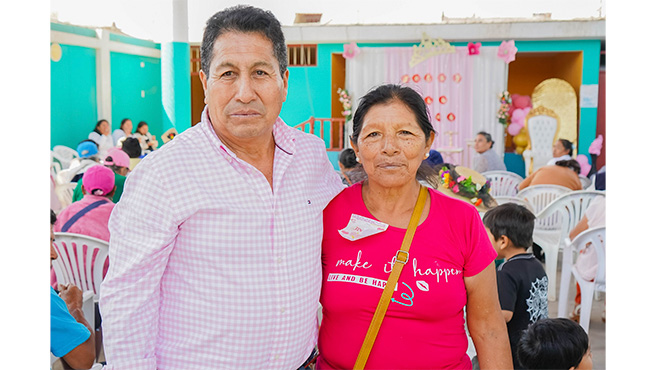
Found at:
<point>101,135</point>
<point>119,162</point>
<point>449,265</point>
<point>488,159</point>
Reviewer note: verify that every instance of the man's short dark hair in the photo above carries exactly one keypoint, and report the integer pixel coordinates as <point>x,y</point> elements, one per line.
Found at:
<point>512,220</point>
<point>246,19</point>
<point>552,344</point>
<point>132,147</point>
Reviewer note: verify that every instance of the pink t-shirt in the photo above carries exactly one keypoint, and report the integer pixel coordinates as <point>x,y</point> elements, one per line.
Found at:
<point>424,324</point>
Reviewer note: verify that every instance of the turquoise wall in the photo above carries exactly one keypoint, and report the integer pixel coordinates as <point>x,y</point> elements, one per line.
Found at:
<point>129,78</point>
<point>176,86</point>
<point>73,106</point>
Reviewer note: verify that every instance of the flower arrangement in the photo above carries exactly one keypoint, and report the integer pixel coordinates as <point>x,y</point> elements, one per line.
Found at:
<point>503,114</point>
<point>345,99</point>
<point>465,186</point>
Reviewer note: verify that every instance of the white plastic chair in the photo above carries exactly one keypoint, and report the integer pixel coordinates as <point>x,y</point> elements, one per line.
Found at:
<point>81,261</point>
<point>64,193</point>
<point>510,199</point>
<point>542,125</point>
<point>560,217</point>
<point>503,183</point>
<point>585,182</point>
<point>66,154</point>
<point>597,238</point>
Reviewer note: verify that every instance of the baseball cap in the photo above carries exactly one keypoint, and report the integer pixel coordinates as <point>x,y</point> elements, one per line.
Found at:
<point>86,149</point>
<point>117,157</point>
<point>98,180</point>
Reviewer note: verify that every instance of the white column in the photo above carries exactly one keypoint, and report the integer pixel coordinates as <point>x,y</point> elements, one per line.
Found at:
<point>104,78</point>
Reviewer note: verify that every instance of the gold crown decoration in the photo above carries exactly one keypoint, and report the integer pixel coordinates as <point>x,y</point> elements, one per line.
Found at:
<point>428,48</point>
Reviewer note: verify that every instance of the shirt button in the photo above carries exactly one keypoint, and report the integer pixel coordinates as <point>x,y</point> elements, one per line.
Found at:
<point>279,260</point>
<point>276,357</point>
<point>282,309</point>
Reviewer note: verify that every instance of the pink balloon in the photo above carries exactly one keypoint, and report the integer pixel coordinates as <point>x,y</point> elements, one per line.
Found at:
<point>583,162</point>
<point>519,115</point>
<point>514,128</point>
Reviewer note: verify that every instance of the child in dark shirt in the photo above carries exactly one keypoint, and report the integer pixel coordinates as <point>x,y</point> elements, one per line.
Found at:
<point>521,279</point>
<point>555,344</point>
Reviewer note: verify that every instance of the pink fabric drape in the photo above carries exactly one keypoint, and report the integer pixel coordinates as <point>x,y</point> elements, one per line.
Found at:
<point>446,83</point>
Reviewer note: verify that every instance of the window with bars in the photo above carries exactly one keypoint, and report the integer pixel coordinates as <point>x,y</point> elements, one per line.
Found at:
<point>302,55</point>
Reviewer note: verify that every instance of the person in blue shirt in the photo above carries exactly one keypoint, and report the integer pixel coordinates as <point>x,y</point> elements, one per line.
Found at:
<point>71,336</point>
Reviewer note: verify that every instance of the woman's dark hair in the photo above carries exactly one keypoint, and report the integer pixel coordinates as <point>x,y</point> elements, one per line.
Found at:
<point>53,217</point>
<point>386,94</point>
<point>140,125</point>
<point>552,344</point>
<point>487,137</point>
<point>512,220</point>
<point>96,129</point>
<point>132,147</point>
<point>245,19</point>
<point>569,147</point>
<point>348,158</point>
<point>572,164</point>
<point>123,122</point>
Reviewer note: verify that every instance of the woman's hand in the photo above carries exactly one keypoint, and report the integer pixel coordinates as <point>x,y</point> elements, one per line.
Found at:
<point>485,321</point>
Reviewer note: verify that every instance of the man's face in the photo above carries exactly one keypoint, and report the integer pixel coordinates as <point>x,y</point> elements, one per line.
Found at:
<point>244,90</point>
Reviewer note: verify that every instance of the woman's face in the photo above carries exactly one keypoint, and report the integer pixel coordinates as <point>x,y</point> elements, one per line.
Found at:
<point>127,126</point>
<point>143,129</point>
<point>481,145</point>
<point>391,144</point>
<point>558,149</point>
<point>104,128</point>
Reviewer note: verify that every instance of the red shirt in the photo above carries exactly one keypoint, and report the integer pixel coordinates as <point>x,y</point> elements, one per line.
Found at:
<point>424,324</point>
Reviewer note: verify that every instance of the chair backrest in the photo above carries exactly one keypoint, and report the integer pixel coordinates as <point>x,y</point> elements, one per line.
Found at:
<point>65,192</point>
<point>540,196</point>
<point>81,260</point>
<point>585,182</point>
<point>542,125</point>
<point>597,237</point>
<point>503,183</point>
<point>65,153</point>
<point>571,207</point>
<point>510,199</point>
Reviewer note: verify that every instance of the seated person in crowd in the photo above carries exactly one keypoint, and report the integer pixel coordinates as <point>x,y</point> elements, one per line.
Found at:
<point>564,173</point>
<point>119,162</point>
<point>124,131</point>
<point>555,344</point>
<point>101,135</point>
<point>350,170</point>
<point>487,159</point>
<point>586,261</point>
<point>521,279</point>
<point>562,150</point>
<point>434,158</point>
<point>146,139</point>
<point>71,336</point>
<point>132,147</point>
<point>87,151</point>
<point>90,215</point>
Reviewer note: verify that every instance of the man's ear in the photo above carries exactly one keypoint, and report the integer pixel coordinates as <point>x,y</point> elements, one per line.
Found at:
<point>203,81</point>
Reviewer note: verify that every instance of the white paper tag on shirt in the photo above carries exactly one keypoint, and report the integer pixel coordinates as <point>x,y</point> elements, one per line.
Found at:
<point>360,227</point>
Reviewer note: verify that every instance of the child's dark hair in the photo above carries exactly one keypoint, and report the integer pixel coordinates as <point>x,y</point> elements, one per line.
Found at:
<point>512,220</point>
<point>552,344</point>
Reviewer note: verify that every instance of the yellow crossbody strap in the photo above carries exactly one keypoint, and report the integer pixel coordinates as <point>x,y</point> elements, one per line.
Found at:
<point>402,257</point>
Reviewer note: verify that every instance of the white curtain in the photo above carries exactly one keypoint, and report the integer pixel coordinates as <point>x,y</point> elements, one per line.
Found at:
<point>374,66</point>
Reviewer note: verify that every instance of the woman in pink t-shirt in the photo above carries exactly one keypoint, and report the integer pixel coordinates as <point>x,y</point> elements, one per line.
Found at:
<point>450,263</point>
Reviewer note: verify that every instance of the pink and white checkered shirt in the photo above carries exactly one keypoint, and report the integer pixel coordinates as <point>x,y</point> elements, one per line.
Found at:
<point>211,268</point>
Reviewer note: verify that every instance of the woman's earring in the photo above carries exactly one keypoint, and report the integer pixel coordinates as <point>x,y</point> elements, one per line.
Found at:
<point>357,159</point>
<point>426,155</point>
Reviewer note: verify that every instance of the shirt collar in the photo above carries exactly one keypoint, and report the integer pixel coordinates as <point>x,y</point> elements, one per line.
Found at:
<point>283,135</point>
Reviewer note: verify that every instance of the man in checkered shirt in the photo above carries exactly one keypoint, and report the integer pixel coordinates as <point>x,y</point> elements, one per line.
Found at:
<point>215,244</point>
